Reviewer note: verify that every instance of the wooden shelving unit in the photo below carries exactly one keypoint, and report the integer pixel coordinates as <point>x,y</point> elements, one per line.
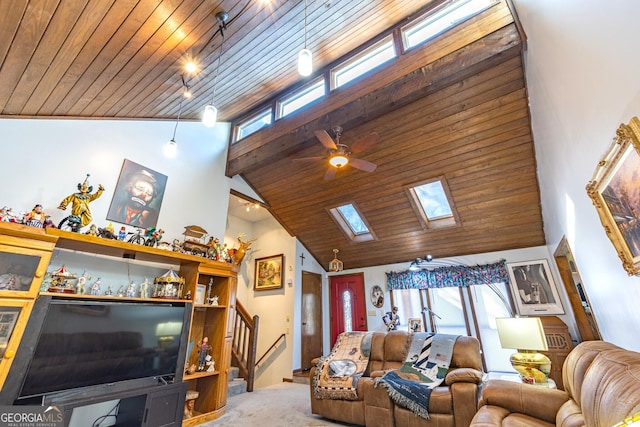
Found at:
<point>213,321</point>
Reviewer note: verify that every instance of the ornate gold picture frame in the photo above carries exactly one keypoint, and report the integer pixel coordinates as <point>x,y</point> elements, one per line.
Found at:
<point>615,192</point>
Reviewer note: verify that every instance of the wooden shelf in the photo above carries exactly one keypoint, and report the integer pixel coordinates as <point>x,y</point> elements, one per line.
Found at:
<point>118,249</point>
<point>197,375</point>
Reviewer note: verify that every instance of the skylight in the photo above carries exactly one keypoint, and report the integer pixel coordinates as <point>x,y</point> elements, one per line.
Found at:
<point>363,62</point>
<point>352,217</point>
<point>351,222</point>
<point>440,19</point>
<point>254,123</point>
<point>432,201</point>
<point>302,97</point>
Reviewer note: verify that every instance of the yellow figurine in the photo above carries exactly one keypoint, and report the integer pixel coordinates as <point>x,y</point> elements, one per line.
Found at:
<point>80,213</point>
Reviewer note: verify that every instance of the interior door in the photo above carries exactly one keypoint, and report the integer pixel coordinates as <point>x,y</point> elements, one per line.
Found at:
<point>311,342</point>
<point>347,301</point>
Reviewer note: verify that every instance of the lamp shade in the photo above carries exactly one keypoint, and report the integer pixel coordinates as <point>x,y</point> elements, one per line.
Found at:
<point>522,333</point>
<point>305,62</point>
<point>338,160</point>
<point>210,116</point>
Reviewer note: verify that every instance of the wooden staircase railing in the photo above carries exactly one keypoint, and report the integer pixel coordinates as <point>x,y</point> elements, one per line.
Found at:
<point>243,348</point>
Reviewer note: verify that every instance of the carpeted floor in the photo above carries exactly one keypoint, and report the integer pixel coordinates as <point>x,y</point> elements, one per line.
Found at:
<point>280,405</point>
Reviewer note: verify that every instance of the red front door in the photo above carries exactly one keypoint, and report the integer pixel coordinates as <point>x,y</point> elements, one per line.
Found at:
<point>347,300</point>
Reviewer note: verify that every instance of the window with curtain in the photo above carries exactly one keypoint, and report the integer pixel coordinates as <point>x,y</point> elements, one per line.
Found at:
<point>463,301</point>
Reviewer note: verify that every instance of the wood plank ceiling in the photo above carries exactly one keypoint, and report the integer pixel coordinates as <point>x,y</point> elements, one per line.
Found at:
<point>455,108</point>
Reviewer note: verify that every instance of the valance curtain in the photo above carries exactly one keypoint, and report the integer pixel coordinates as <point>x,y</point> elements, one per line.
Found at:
<point>449,276</point>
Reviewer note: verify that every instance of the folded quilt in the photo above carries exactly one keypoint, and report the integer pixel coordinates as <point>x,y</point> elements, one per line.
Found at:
<point>425,368</point>
<point>337,375</point>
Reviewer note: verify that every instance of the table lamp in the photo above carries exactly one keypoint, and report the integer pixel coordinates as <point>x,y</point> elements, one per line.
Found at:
<point>526,335</point>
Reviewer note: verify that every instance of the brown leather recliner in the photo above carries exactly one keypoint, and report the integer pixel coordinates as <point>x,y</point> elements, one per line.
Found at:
<point>453,404</point>
<point>602,383</point>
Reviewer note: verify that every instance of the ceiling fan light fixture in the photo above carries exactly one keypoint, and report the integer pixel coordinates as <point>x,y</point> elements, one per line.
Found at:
<point>210,116</point>
<point>338,160</point>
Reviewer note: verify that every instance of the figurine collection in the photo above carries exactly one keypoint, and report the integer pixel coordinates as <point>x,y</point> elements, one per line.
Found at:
<point>194,242</point>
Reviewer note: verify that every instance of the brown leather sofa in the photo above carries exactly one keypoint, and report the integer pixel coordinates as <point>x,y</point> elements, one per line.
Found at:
<point>453,404</point>
<point>602,383</point>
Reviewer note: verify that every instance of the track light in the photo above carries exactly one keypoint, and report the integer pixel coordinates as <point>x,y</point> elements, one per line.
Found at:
<point>305,57</point>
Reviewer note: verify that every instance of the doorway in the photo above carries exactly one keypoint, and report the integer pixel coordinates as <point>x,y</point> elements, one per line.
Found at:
<point>311,328</point>
<point>585,320</point>
<point>347,303</point>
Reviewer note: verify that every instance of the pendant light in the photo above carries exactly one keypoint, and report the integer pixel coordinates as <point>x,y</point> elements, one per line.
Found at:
<point>335,264</point>
<point>172,147</point>
<point>210,115</point>
<point>305,57</point>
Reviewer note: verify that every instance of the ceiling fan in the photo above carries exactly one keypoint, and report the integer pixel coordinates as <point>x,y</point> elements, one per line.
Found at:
<point>340,154</point>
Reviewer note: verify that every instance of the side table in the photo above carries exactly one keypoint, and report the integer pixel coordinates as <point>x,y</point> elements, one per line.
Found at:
<point>509,376</point>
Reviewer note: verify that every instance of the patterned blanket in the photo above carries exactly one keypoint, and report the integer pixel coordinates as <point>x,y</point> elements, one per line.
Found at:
<point>337,374</point>
<point>424,369</point>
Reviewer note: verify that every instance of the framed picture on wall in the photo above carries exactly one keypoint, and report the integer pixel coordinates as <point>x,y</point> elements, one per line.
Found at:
<point>533,288</point>
<point>199,296</point>
<point>415,324</point>
<point>269,273</point>
<point>138,196</point>
<point>615,192</point>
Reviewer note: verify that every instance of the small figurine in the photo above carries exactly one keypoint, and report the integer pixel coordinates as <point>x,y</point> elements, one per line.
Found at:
<point>211,364</point>
<point>144,288</point>
<point>209,289</point>
<point>120,291</point>
<point>122,233</point>
<point>214,300</point>
<point>131,290</point>
<point>36,217</point>
<point>204,349</point>
<point>93,230</point>
<point>190,401</point>
<point>176,245</point>
<point>82,281</point>
<point>95,288</point>
<point>108,232</point>
<point>80,212</point>
<point>109,290</point>
<point>153,236</point>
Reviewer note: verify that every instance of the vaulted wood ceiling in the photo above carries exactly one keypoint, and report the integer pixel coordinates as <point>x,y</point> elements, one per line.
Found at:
<point>454,108</point>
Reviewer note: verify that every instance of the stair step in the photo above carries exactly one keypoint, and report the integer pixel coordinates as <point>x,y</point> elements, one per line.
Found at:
<point>234,371</point>
<point>301,377</point>
<point>237,386</point>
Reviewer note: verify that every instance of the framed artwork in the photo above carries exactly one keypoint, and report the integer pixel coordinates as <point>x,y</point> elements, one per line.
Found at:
<point>415,324</point>
<point>199,296</point>
<point>269,273</point>
<point>615,192</point>
<point>138,196</point>
<point>377,296</point>
<point>533,288</point>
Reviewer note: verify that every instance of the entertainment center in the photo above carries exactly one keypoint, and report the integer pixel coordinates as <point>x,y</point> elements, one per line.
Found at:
<point>74,351</point>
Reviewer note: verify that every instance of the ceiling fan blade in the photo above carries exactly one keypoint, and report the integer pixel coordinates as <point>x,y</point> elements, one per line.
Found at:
<point>326,140</point>
<point>363,165</point>
<point>331,173</point>
<point>365,143</point>
<point>308,159</point>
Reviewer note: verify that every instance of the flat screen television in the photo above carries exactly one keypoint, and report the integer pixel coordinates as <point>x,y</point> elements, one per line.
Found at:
<point>84,343</point>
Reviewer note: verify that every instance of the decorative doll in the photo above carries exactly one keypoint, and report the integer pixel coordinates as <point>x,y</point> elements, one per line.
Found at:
<point>95,288</point>
<point>204,349</point>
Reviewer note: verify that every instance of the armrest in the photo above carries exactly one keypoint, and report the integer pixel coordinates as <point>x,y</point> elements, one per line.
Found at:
<point>463,375</point>
<point>535,401</point>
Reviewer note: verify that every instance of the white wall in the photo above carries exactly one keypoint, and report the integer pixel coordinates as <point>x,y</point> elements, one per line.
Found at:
<point>582,69</point>
<point>44,160</point>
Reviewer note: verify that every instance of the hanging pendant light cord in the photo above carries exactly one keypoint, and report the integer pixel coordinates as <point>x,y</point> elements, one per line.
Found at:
<point>215,80</point>
<point>178,120</point>
<point>305,24</point>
